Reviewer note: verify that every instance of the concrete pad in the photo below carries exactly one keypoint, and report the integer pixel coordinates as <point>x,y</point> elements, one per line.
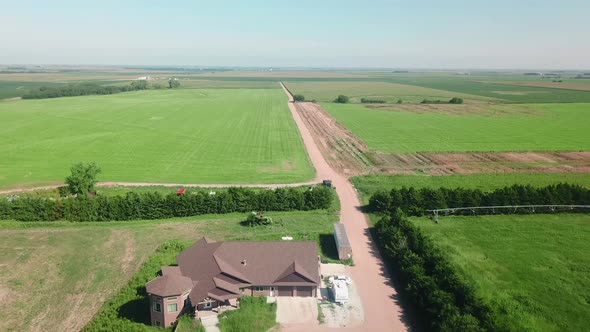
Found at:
<point>297,310</point>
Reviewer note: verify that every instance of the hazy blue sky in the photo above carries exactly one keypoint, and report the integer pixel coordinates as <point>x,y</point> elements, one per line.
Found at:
<point>322,33</point>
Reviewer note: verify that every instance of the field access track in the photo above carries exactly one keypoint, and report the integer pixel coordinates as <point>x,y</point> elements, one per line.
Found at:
<point>379,298</point>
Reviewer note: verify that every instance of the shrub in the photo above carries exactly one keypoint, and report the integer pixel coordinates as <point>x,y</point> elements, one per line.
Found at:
<point>342,99</point>
<point>257,219</point>
<point>299,97</point>
<point>372,101</point>
<point>456,100</point>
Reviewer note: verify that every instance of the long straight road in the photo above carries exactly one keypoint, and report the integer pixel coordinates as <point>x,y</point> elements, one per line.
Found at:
<point>379,298</point>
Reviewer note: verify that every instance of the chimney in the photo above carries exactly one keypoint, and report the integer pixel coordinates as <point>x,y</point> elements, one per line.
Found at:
<point>244,262</point>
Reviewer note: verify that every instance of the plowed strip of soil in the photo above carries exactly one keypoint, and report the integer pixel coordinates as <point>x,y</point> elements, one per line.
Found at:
<point>350,156</point>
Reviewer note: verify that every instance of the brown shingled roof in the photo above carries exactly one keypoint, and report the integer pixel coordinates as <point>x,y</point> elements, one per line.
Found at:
<point>169,285</point>
<point>221,268</point>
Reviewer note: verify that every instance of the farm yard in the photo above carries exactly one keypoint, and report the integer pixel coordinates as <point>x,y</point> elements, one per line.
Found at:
<point>186,136</point>
<point>534,269</point>
<point>62,272</point>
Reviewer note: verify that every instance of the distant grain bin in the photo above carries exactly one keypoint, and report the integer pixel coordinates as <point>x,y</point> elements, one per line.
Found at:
<point>342,243</point>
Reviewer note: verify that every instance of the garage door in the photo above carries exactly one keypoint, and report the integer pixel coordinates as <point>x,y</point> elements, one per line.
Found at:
<point>304,291</point>
<point>285,291</point>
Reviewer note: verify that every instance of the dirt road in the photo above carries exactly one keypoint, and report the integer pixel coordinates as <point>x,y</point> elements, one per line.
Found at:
<point>379,298</point>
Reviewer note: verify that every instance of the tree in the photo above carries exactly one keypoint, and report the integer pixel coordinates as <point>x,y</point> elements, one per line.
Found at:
<point>342,99</point>
<point>139,85</point>
<point>456,100</point>
<point>299,98</point>
<point>82,179</point>
<point>173,83</point>
<point>399,101</point>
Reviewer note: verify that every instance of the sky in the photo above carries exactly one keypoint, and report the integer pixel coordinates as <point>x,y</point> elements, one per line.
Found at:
<point>482,34</point>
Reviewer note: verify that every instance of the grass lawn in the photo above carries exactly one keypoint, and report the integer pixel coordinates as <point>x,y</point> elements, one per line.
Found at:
<point>390,92</point>
<point>61,272</point>
<point>185,135</point>
<point>368,185</point>
<point>533,268</point>
<point>189,324</point>
<point>546,127</point>
<point>254,315</point>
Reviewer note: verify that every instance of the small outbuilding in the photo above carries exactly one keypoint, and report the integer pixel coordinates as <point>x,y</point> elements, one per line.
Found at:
<point>327,183</point>
<point>342,243</point>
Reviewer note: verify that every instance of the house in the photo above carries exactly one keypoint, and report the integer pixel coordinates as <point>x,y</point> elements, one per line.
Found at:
<point>213,274</point>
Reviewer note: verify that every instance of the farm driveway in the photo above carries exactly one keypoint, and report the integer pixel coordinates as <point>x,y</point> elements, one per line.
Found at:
<point>379,298</point>
<point>296,312</point>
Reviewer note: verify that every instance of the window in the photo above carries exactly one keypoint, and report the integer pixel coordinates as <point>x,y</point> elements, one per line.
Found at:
<point>242,290</point>
<point>258,289</point>
<point>172,307</point>
<point>158,324</point>
<point>157,307</point>
<point>208,305</point>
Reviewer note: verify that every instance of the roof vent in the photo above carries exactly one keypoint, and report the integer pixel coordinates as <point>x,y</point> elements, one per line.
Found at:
<point>244,262</point>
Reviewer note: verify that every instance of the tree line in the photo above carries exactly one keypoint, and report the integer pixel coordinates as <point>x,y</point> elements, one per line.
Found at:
<point>154,205</point>
<point>86,89</point>
<point>415,202</point>
<point>444,301</point>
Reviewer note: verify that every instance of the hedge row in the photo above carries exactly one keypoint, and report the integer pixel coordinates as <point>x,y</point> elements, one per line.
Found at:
<point>134,206</point>
<point>415,202</point>
<point>443,300</point>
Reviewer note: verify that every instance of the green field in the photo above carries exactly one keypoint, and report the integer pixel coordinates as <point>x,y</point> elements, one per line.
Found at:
<point>368,185</point>
<point>61,272</point>
<point>534,268</point>
<point>390,92</point>
<point>506,92</point>
<point>186,135</point>
<point>542,127</point>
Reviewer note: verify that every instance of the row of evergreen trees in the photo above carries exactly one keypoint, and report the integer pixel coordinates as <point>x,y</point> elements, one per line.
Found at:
<point>415,201</point>
<point>443,300</point>
<point>154,205</point>
<point>87,89</point>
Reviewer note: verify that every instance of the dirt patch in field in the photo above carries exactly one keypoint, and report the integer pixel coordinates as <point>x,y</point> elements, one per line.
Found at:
<point>470,163</point>
<point>348,154</point>
<point>470,108</point>
<point>343,150</point>
<point>554,85</point>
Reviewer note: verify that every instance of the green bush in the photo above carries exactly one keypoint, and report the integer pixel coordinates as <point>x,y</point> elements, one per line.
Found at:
<point>299,97</point>
<point>456,100</point>
<point>136,206</point>
<point>257,219</point>
<point>372,101</point>
<point>341,99</point>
